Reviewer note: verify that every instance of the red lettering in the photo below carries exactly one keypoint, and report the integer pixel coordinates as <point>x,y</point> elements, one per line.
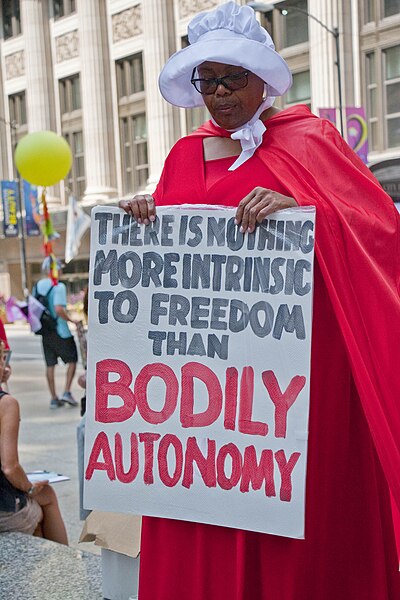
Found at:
<point>282,401</point>
<point>100,445</point>
<point>171,392</point>
<point>148,440</point>
<point>255,473</point>
<point>130,475</point>
<point>106,388</point>
<point>286,469</point>
<point>166,443</point>
<point>231,390</point>
<point>246,425</point>
<point>206,465</point>
<point>190,371</point>
<point>224,481</point>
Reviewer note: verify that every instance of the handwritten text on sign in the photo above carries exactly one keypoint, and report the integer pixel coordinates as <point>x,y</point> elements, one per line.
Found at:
<point>199,361</point>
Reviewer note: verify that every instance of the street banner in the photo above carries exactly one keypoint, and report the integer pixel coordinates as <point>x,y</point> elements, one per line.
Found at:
<point>356,128</point>
<point>328,113</point>
<point>9,191</point>
<point>198,381</point>
<point>357,131</point>
<point>32,214</point>
<point>77,223</point>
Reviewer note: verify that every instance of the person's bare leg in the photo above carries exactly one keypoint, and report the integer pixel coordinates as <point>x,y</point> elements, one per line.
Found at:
<point>70,376</point>
<point>52,526</point>
<point>51,381</point>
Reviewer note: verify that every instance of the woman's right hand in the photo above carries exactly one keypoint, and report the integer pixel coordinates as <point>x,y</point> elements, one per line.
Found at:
<point>142,207</point>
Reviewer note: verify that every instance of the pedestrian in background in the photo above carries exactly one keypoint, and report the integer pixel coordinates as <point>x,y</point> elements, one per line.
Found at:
<point>60,343</point>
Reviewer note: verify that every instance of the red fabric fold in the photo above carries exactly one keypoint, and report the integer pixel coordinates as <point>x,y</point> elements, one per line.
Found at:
<point>357,246</point>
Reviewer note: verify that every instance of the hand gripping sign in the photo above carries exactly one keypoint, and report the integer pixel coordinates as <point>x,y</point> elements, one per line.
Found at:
<point>199,345</point>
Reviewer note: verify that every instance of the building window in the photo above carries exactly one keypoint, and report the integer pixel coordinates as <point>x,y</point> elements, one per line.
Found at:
<point>391,57</point>
<point>369,11</point>
<point>11,18</point>
<point>70,94</point>
<point>300,90</point>
<point>71,123</point>
<point>75,180</point>
<point>135,168</point>
<point>132,123</point>
<point>130,77</point>
<point>391,7</point>
<point>18,121</point>
<point>196,117</point>
<point>372,108</point>
<point>295,24</point>
<point>63,8</point>
<point>17,104</point>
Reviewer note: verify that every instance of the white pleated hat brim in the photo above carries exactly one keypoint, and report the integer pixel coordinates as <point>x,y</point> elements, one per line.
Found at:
<point>227,47</point>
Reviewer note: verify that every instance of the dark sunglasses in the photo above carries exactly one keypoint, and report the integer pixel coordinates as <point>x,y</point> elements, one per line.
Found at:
<point>232,82</point>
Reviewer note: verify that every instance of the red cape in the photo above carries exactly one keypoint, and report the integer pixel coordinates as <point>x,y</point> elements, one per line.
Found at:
<point>357,246</point>
<point>348,551</point>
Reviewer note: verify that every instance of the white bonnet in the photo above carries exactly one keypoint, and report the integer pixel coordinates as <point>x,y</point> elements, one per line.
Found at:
<point>228,34</point>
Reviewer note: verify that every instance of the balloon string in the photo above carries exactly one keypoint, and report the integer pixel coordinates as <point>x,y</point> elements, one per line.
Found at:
<point>48,235</point>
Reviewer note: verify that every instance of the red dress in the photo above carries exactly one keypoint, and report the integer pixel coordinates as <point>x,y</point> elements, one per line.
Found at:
<point>349,548</point>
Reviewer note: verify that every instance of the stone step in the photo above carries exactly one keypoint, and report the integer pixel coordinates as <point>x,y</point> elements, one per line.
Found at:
<point>32,568</point>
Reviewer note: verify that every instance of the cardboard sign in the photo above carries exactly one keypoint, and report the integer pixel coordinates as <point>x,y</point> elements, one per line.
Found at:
<point>199,344</point>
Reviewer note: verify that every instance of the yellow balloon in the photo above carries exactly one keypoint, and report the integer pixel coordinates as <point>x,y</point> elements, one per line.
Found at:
<point>43,158</point>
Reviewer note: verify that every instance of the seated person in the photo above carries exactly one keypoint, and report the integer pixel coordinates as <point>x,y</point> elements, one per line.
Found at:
<point>24,507</point>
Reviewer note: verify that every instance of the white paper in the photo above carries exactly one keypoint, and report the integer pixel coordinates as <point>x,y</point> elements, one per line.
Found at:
<point>49,476</point>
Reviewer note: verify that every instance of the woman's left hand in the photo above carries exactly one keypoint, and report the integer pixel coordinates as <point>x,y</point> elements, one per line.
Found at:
<point>257,205</point>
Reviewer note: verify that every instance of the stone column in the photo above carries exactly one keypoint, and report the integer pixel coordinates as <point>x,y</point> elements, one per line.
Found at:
<point>3,130</point>
<point>40,101</point>
<point>323,68</point>
<point>38,69</point>
<point>96,102</point>
<point>162,118</point>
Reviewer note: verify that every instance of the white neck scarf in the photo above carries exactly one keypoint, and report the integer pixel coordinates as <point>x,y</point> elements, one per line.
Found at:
<point>250,134</point>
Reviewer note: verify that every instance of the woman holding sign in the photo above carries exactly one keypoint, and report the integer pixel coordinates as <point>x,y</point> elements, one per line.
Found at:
<point>260,159</point>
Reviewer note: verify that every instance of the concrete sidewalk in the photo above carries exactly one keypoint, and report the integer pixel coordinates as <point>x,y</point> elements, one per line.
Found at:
<point>47,437</point>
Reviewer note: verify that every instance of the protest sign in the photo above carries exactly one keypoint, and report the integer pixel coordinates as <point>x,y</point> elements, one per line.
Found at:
<point>198,367</point>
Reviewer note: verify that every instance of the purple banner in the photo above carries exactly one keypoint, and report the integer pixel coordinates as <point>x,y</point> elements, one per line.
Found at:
<point>9,191</point>
<point>32,216</point>
<point>356,128</point>
<point>357,132</point>
<point>328,113</point>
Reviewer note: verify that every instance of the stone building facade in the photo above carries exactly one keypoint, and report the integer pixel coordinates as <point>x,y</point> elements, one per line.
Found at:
<point>88,70</point>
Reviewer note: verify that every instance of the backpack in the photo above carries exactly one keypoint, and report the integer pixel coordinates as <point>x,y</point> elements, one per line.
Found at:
<point>47,321</point>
